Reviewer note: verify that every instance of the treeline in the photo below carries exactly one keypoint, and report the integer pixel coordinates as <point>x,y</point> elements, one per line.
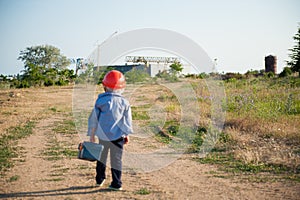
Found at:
<point>251,73</point>
<point>38,78</point>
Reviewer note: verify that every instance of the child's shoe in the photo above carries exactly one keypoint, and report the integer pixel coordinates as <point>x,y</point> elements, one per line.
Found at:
<point>115,189</point>
<point>101,183</point>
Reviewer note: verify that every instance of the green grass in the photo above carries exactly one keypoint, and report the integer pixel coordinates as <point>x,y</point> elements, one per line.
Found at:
<point>7,113</point>
<point>142,191</point>
<point>14,178</point>
<point>8,142</point>
<point>65,127</point>
<point>167,98</point>
<point>172,126</point>
<point>227,163</point>
<point>172,107</point>
<point>140,115</point>
<point>145,106</point>
<point>54,179</point>
<point>59,153</point>
<point>61,170</point>
<point>162,138</point>
<point>54,109</point>
<point>263,98</point>
<point>57,150</point>
<point>141,112</point>
<point>83,167</point>
<point>58,173</point>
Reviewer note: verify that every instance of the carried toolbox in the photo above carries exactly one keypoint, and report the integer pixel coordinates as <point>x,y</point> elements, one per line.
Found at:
<point>90,151</point>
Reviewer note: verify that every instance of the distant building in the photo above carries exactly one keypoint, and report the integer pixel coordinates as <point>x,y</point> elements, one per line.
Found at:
<point>271,64</point>
<point>125,68</point>
<point>155,64</point>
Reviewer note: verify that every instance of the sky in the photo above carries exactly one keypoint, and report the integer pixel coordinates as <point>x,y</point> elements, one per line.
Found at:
<point>238,33</point>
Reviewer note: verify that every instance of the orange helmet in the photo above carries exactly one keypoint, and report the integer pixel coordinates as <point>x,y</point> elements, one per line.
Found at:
<point>114,80</point>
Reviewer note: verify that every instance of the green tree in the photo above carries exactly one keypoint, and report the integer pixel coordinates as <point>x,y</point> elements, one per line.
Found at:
<point>33,76</point>
<point>176,67</point>
<point>295,54</point>
<point>50,76</point>
<point>3,78</point>
<point>44,66</point>
<point>44,55</point>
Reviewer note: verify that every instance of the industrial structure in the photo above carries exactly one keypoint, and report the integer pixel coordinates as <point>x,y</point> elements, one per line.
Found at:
<point>125,68</point>
<point>271,64</point>
<point>151,59</point>
<point>149,64</point>
<point>154,64</point>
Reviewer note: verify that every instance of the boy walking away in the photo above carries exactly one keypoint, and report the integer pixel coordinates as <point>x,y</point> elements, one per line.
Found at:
<point>111,122</point>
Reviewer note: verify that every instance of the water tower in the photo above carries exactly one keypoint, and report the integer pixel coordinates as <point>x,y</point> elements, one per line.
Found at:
<point>271,64</point>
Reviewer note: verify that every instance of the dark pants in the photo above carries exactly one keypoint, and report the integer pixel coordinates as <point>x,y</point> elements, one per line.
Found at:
<point>116,151</point>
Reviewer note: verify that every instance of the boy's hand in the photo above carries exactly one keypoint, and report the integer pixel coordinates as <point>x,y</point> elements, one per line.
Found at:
<point>126,139</point>
<point>92,138</point>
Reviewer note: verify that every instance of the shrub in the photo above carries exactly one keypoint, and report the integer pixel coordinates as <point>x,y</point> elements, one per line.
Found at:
<point>285,72</point>
<point>167,76</point>
<point>135,75</point>
<point>230,75</point>
<point>269,74</point>
<point>48,82</point>
<point>203,75</point>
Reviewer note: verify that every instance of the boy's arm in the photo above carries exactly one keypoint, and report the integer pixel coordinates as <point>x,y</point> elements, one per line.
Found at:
<point>128,129</point>
<point>128,124</point>
<point>92,124</point>
<point>92,135</point>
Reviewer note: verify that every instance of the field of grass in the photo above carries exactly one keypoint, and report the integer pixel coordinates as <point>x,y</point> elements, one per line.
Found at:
<point>261,133</point>
<point>262,121</point>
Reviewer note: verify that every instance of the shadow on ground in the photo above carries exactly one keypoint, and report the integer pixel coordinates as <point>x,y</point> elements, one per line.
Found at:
<point>77,190</point>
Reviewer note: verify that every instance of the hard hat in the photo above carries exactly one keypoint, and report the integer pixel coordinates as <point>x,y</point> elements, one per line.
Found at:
<point>114,80</point>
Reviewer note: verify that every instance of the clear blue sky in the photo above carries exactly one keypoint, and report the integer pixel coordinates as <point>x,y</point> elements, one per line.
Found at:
<point>238,33</point>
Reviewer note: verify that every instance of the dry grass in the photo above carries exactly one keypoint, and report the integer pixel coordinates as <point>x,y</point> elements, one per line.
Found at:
<point>265,123</point>
<point>262,120</point>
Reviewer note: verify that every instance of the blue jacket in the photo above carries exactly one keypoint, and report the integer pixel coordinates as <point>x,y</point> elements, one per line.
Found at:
<point>111,117</point>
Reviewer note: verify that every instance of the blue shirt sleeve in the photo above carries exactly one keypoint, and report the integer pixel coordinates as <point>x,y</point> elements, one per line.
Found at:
<point>127,125</point>
<point>93,120</point>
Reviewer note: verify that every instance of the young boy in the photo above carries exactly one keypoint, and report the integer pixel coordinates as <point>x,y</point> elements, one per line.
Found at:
<point>111,122</point>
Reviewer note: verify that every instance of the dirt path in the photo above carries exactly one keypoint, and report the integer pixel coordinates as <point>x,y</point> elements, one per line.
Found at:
<point>69,178</point>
